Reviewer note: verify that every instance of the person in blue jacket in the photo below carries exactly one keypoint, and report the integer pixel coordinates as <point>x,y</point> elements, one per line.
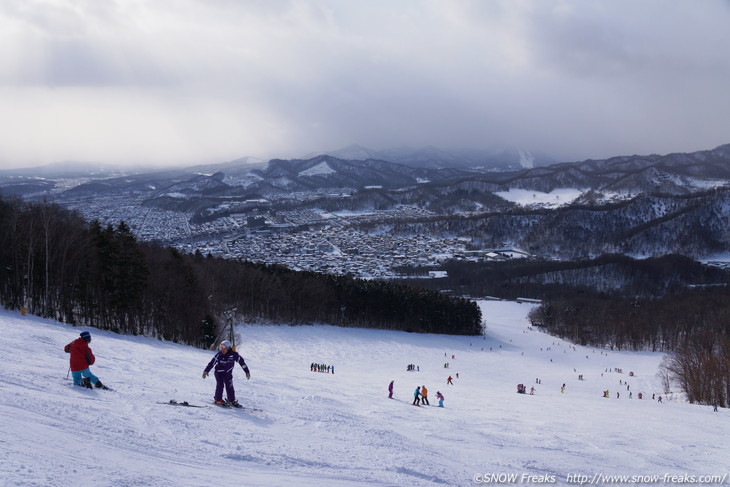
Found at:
<point>417,396</point>
<point>224,361</point>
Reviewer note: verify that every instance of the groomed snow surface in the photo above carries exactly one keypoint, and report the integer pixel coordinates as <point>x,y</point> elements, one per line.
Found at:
<point>340,429</point>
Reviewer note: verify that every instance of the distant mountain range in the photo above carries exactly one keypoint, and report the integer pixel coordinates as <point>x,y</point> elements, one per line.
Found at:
<point>636,205</point>
<point>503,159</point>
<point>428,171</point>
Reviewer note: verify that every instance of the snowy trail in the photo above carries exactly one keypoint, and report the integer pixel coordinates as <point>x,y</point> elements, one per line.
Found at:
<point>341,429</point>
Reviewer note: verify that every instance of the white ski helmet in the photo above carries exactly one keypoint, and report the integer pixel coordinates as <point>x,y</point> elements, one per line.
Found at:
<point>226,343</point>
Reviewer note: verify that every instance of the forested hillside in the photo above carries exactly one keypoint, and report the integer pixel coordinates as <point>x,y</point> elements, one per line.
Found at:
<point>611,274</point>
<point>695,225</point>
<point>56,265</point>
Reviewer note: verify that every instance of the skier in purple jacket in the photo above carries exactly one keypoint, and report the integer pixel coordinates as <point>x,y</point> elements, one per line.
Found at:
<point>224,361</point>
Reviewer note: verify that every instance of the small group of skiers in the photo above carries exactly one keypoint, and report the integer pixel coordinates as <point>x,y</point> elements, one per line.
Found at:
<point>412,367</point>
<point>322,368</point>
<point>420,395</point>
<point>81,358</point>
<point>631,395</point>
<point>522,389</point>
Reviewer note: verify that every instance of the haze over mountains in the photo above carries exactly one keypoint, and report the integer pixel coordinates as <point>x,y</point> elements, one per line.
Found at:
<point>498,159</point>
<point>632,173</point>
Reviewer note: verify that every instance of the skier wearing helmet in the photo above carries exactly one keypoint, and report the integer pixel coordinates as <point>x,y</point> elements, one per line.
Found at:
<point>224,361</point>
<point>81,358</point>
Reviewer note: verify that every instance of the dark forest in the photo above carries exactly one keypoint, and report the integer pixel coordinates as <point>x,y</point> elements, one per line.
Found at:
<point>56,265</point>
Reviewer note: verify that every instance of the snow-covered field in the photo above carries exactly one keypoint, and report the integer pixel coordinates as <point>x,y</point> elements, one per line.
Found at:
<point>554,199</point>
<point>340,429</point>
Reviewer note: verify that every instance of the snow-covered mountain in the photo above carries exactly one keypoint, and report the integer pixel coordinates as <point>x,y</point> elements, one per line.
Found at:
<point>340,429</point>
<point>496,159</point>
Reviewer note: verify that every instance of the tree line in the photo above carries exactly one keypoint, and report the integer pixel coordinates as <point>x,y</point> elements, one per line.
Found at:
<point>609,274</point>
<point>55,264</point>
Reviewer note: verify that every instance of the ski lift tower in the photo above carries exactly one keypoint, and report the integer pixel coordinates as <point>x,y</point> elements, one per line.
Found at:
<point>227,330</point>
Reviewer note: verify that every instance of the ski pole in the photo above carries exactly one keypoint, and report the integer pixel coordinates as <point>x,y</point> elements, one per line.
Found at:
<point>69,371</point>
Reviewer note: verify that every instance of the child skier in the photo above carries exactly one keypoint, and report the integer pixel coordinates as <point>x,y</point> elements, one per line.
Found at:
<point>440,397</point>
<point>224,361</point>
<point>81,358</point>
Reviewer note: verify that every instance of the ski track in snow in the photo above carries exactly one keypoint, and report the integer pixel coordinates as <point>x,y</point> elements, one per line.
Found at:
<point>341,429</point>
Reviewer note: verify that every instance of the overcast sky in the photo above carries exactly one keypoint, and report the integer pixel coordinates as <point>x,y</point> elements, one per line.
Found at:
<point>195,81</point>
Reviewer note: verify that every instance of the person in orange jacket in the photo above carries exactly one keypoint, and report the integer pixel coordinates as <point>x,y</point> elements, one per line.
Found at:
<point>424,396</point>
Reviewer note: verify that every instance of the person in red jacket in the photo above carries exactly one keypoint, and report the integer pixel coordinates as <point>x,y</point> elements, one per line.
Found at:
<point>81,358</point>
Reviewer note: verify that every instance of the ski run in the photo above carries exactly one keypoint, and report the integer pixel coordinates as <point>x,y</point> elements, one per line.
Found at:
<point>305,428</point>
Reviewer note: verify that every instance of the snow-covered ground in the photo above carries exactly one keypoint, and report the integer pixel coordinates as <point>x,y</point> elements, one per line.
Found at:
<point>340,429</point>
<point>554,199</point>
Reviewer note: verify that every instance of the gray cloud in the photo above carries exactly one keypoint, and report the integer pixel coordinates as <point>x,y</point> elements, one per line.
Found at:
<point>191,81</point>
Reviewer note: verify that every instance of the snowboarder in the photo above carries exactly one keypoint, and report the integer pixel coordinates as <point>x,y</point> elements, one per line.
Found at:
<point>440,397</point>
<point>424,396</point>
<point>224,361</point>
<point>81,358</point>
<point>417,397</point>
<point>448,381</point>
<point>390,389</point>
